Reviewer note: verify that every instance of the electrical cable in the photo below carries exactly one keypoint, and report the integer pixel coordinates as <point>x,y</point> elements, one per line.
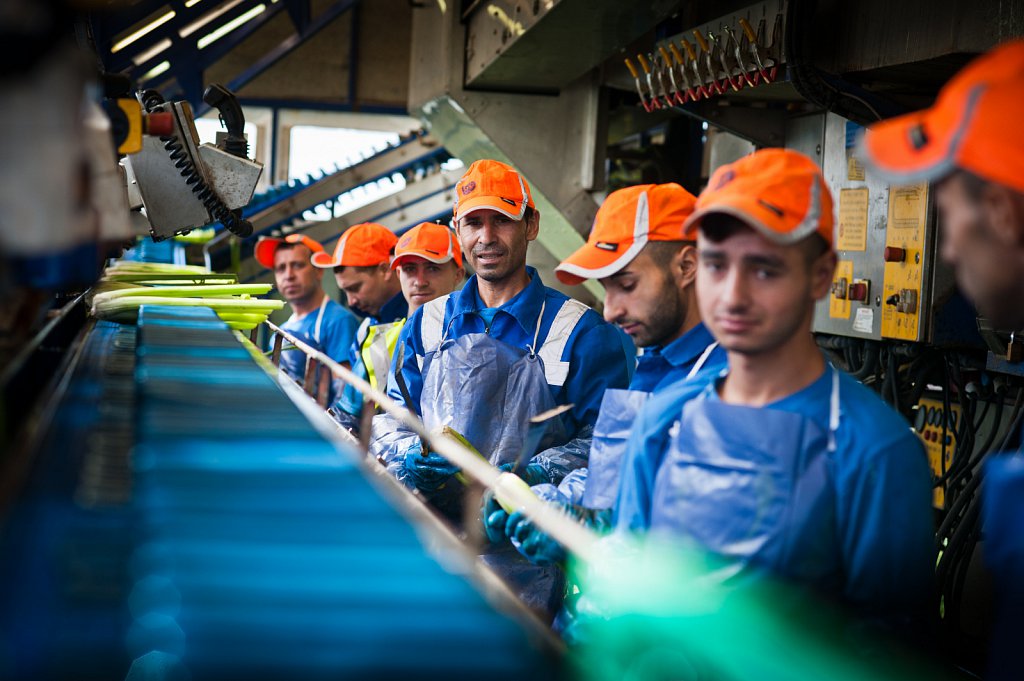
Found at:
<point>959,531</point>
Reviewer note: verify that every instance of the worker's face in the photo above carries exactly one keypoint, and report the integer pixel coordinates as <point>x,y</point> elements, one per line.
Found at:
<point>647,298</point>
<point>495,244</point>
<point>422,280</point>
<point>982,239</point>
<point>756,296</point>
<point>367,289</point>
<point>296,278</point>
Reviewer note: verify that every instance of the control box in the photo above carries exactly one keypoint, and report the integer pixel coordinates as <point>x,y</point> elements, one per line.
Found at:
<point>889,283</point>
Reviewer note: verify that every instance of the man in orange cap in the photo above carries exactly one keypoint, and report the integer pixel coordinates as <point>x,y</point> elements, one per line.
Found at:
<point>781,464</point>
<point>362,268</point>
<point>971,145</point>
<point>501,350</point>
<point>428,259</point>
<point>637,251</point>
<point>316,318</point>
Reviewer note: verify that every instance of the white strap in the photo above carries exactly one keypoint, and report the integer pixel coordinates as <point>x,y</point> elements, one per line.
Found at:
<point>320,319</point>
<point>555,370</point>
<point>833,411</point>
<point>432,323</point>
<point>536,331</point>
<point>702,360</point>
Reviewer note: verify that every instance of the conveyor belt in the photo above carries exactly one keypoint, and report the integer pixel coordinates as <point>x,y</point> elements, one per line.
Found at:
<point>251,547</point>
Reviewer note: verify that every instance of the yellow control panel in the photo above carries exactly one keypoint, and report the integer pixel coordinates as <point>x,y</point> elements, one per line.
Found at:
<point>930,427</point>
<point>903,278</point>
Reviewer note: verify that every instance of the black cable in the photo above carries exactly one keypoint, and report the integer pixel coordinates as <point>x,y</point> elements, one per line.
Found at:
<point>870,364</point>
<point>893,371</point>
<point>946,411</point>
<point>960,549</point>
<point>971,484</point>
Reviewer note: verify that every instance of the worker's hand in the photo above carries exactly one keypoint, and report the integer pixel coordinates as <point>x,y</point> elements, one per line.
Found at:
<point>533,474</point>
<point>494,518</point>
<point>532,542</point>
<point>427,473</point>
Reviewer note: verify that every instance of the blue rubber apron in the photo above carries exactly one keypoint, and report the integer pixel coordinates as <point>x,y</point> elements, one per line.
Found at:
<point>753,486</point>
<point>619,409</point>
<point>488,390</point>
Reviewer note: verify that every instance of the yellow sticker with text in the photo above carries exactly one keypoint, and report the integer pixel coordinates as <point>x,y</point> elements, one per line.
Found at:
<point>853,220</point>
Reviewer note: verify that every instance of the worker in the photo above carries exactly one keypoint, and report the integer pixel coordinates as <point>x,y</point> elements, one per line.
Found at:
<point>428,259</point>
<point>501,350</point>
<point>781,464</point>
<point>637,251</point>
<point>970,143</point>
<point>362,269</point>
<point>316,319</point>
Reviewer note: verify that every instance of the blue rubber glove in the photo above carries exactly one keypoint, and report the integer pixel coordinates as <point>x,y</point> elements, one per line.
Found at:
<point>532,542</point>
<point>494,518</point>
<point>427,473</point>
<point>533,474</point>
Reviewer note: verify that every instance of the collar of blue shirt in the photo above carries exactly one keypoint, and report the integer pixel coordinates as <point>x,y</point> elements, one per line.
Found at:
<point>393,310</point>
<point>525,306</point>
<point>687,348</point>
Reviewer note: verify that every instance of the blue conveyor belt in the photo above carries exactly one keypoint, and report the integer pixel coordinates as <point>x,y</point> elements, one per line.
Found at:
<point>251,547</point>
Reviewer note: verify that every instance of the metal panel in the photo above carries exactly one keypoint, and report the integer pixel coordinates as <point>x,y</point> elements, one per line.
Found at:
<point>877,34</point>
<point>840,316</point>
<point>170,204</point>
<point>876,294</point>
<point>529,46</point>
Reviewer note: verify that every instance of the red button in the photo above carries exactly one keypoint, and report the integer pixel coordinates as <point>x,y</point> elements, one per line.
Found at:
<point>160,124</point>
<point>858,291</point>
<point>894,254</point>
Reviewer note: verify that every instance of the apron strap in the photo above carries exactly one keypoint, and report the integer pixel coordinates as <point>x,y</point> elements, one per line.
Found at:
<point>320,319</point>
<point>833,411</point>
<point>555,370</point>
<point>432,331</point>
<point>702,360</point>
<point>536,332</point>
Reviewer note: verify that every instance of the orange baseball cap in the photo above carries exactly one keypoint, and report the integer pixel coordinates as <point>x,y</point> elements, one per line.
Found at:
<point>266,247</point>
<point>492,185</point>
<point>626,221</point>
<point>779,192</point>
<point>974,125</point>
<point>430,241</point>
<point>363,245</point>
